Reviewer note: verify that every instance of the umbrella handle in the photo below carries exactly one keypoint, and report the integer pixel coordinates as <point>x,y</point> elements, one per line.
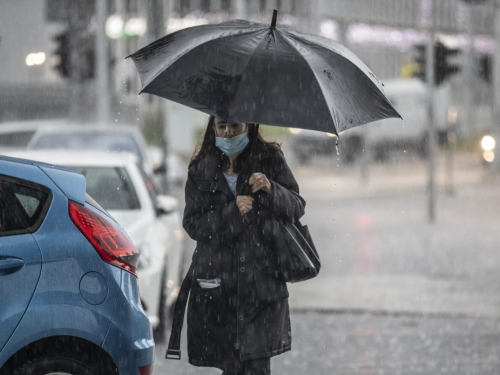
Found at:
<point>254,146</point>
<point>253,161</point>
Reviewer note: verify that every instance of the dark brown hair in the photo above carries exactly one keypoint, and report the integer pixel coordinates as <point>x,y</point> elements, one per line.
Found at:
<point>207,147</point>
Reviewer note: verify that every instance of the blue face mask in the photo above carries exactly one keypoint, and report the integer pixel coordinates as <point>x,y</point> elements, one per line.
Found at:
<point>232,146</point>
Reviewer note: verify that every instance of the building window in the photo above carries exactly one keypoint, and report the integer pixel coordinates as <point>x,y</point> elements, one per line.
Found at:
<point>226,5</point>
<point>185,6</point>
<point>205,6</point>
<point>262,6</point>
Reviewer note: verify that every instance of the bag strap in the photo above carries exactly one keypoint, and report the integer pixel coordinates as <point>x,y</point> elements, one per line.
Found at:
<point>174,345</point>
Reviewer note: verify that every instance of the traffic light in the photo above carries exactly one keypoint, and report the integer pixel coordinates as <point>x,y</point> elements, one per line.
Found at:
<point>420,60</point>
<point>62,51</point>
<point>484,70</point>
<point>86,58</point>
<point>84,67</point>
<point>443,68</point>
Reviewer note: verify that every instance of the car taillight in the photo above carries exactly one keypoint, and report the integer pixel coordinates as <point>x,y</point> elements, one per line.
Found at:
<point>110,243</point>
<point>146,370</point>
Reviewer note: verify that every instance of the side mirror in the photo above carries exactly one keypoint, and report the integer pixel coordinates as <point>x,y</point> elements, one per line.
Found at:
<point>162,169</point>
<point>166,204</point>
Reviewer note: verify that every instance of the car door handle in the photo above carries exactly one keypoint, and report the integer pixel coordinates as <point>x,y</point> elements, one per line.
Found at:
<point>11,264</point>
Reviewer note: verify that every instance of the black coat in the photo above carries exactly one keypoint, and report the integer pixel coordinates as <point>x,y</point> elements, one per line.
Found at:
<point>247,316</point>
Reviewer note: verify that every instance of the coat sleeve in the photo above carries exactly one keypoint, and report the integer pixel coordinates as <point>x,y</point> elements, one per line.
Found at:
<point>209,224</point>
<point>284,198</point>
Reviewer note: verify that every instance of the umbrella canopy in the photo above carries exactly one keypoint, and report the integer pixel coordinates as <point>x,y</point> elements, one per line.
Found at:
<point>244,71</point>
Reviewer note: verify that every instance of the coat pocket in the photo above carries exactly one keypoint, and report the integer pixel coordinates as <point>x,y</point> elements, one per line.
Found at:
<point>209,301</point>
<point>269,285</point>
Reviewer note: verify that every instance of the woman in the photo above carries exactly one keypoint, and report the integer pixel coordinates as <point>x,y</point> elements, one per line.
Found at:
<point>238,307</point>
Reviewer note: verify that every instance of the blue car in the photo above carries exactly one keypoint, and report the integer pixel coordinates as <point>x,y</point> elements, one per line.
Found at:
<point>69,301</point>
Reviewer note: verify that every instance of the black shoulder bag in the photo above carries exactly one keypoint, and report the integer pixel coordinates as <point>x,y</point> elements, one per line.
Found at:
<point>296,254</point>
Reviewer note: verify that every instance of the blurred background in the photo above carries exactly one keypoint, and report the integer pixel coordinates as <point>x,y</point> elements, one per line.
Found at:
<point>405,214</point>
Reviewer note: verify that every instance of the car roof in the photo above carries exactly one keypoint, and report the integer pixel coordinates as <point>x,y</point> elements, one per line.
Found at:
<point>62,125</point>
<point>76,158</point>
<point>88,128</point>
<point>19,126</point>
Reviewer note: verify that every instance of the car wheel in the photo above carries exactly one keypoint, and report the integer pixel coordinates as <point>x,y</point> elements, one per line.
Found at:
<point>55,364</point>
<point>160,331</point>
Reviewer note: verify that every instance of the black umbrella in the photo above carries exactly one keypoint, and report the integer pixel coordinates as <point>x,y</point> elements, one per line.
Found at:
<point>244,71</point>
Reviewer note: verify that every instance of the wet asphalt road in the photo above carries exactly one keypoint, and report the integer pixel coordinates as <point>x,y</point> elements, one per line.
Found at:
<point>396,295</point>
<point>327,344</point>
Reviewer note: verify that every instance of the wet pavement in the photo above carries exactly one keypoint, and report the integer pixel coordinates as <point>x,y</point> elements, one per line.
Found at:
<point>396,294</point>
<point>381,254</point>
<point>345,344</point>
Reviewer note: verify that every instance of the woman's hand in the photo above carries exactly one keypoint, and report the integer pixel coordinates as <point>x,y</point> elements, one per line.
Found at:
<point>259,181</point>
<point>244,203</point>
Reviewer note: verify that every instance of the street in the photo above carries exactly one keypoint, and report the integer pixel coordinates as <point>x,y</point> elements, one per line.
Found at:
<point>388,115</point>
<point>396,294</point>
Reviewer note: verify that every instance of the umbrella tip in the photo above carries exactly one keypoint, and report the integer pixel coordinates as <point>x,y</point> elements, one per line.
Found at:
<point>273,22</point>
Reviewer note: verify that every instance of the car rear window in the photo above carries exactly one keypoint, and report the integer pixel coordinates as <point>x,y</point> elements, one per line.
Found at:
<point>23,202</point>
<point>16,139</point>
<point>89,141</point>
<point>9,223</point>
<point>110,187</point>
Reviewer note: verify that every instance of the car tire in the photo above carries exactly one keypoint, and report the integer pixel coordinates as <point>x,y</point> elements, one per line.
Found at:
<point>56,363</point>
<point>160,331</point>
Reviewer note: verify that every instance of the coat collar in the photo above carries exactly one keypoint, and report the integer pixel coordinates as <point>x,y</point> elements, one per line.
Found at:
<point>210,169</point>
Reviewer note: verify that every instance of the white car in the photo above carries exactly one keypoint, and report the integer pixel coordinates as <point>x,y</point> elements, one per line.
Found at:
<point>68,135</point>
<point>118,183</point>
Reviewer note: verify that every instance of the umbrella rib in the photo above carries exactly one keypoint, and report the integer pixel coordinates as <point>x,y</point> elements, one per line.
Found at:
<point>312,70</point>
<point>348,59</point>
<point>179,57</point>
<point>183,31</point>
<point>248,61</point>
<point>288,35</point>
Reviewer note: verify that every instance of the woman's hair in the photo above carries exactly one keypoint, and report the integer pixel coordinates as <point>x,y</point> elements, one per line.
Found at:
<point>207,147</point>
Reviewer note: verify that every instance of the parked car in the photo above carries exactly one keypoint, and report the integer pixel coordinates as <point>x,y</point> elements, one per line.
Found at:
<point>68,282</point>
<point>380,137</point>
<point>64,134</point>
<point>109,138</point>
<point>118,183</point>
<point>176,167</point>
<point>17,134</point>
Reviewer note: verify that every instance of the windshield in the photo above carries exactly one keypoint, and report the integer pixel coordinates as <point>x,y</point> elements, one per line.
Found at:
<point>97,141</point>
<point>16,139</point>
<point>111,187</point>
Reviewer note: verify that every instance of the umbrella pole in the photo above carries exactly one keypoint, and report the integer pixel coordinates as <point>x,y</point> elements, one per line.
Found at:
<point>253,163</point>
<point>254,145</point>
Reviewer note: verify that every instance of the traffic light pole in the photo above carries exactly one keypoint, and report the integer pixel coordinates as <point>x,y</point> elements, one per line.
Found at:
<point>496,86</point>
<point>75,86</point>
<point>468,75</point>
<point>430,78</point>
<point>102,80</point>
